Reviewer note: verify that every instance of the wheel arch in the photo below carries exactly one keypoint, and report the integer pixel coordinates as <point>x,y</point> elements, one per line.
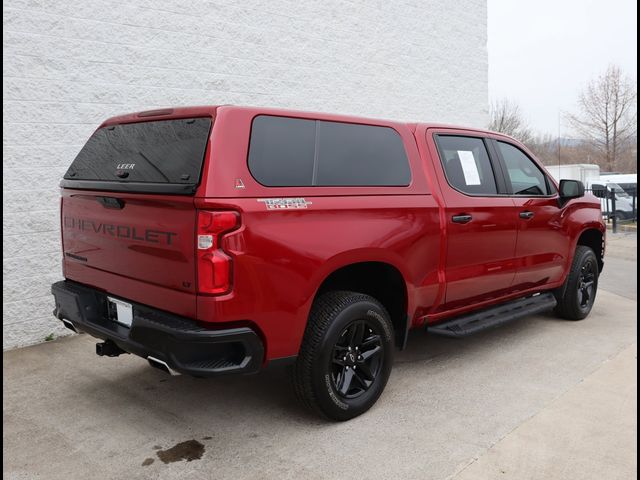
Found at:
<point>594,238</point>
<point>380,279</point>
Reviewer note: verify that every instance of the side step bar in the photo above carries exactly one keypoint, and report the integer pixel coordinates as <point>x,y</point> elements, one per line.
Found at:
<point>494,316</point>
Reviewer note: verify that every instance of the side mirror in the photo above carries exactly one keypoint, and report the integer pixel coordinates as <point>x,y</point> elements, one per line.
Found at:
<point>570,189</point>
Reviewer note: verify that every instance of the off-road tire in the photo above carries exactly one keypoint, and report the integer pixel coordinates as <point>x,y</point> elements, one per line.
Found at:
<point>332,314</point>
<point>571,305</point>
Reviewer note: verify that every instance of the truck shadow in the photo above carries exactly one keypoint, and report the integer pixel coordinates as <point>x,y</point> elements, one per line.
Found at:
<point>425,347</point>
<point>152,400</point>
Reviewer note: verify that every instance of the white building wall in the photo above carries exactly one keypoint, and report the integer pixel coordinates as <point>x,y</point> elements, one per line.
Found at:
<point>67,65</point>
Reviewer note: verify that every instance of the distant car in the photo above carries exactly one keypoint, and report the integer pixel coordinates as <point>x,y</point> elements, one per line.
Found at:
<point>628,182</point>
<point>219,240</point>
<point>605,190</point>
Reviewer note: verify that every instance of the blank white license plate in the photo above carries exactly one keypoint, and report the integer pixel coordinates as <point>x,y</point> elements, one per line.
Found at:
<point>123,313</point>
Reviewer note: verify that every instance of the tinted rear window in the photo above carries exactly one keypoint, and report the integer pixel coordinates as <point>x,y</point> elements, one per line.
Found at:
<point>298,152</point>
<point>282,151</point>
<point>163,152</point>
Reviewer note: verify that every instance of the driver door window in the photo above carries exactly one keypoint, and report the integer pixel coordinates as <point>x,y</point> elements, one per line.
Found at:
<point>525,176</point>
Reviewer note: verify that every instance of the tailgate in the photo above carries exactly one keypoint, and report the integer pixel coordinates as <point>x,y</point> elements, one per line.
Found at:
<point>142,237</point>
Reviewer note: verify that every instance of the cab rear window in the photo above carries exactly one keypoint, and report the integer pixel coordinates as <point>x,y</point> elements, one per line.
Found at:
<point>166,152</point>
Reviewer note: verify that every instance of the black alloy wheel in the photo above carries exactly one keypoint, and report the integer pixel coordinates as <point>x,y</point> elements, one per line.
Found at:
<point>356,360</point>
<point>586,284</point>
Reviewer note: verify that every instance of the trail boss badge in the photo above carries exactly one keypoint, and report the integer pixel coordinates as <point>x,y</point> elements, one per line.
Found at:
<point>284,203</point>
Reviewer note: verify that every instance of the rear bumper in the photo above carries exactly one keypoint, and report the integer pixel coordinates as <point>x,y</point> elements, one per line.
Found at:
<point>181,343</point>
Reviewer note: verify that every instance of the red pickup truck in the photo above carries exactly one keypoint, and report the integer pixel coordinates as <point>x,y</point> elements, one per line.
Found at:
<point>218,240</point>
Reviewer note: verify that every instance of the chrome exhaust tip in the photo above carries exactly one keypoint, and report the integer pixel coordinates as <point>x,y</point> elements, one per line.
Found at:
<point>70,325</point>
<point>160,365</point>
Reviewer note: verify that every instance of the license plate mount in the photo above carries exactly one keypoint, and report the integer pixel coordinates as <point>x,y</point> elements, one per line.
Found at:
<point>120,312</point>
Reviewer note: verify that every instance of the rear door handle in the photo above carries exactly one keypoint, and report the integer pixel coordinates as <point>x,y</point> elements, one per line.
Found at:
<point>526,214</point>
<point>462,218</point>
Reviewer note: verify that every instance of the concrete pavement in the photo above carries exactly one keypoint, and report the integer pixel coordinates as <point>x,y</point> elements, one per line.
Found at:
<point>539,398</point>
<point>590,431</point>
<point>620,273</point>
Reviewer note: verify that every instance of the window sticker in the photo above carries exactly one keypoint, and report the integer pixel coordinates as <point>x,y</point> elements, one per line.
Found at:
<point>469,167</point>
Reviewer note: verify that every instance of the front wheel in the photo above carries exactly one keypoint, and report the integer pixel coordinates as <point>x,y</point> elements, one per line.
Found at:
<point>580,287</point>
<point>346,355</point>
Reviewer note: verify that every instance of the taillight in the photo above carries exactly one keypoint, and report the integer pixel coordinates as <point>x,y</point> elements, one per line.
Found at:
<point>214,265</point>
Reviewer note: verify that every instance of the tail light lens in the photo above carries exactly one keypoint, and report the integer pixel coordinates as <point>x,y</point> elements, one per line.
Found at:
<point>214,265</point>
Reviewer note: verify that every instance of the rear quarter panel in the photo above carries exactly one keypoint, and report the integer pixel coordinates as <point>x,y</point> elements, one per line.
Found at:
<point>281,257</point>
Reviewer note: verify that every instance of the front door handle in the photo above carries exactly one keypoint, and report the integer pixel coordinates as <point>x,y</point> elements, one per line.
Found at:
<point>462,218</point>
<point>526,214</point>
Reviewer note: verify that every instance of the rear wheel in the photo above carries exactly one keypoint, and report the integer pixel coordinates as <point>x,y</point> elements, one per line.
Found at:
<point>580,287</point>
<point>346,355</point>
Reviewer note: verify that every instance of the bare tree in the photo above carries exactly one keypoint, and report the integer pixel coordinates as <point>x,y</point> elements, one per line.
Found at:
<point>608,113</point>
<point>505,117</point>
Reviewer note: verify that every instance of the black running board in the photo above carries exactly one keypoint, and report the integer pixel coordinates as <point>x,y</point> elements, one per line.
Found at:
<point>492,317</point>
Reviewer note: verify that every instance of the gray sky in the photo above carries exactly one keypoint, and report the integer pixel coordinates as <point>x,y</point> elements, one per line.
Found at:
<point>542,53</point>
